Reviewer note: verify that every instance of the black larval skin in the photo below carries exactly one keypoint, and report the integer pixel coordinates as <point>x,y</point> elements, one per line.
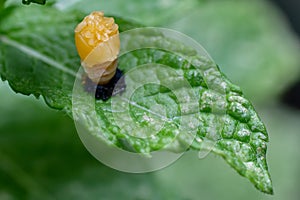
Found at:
<point>27,2</point>
<point>115,86</point>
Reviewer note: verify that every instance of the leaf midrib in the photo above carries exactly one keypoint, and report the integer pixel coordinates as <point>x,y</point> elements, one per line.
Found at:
<point>37,55</point>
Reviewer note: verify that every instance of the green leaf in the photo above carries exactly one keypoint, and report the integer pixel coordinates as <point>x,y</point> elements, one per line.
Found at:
<point>38,57</point>
<point>2,2</point>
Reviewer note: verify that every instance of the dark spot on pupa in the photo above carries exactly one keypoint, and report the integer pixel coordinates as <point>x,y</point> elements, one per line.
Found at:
<point>115,86</point>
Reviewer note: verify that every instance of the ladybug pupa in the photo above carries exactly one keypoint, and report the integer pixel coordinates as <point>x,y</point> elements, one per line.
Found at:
<point>98,45</point>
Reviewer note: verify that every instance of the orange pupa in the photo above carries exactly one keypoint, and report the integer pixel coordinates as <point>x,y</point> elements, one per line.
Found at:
<point>98,45</point>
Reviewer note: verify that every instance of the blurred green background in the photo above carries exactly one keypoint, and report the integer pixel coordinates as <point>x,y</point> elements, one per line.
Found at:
<point>42,157</point>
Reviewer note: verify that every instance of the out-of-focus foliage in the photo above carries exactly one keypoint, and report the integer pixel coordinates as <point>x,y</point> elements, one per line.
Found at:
<point>250,42</point>
<point>248,39</point>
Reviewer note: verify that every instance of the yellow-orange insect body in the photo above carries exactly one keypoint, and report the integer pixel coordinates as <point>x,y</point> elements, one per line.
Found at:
<point>98,45</point>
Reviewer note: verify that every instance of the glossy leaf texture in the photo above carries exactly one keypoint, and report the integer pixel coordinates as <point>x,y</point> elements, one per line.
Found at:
<point>38,56</point>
